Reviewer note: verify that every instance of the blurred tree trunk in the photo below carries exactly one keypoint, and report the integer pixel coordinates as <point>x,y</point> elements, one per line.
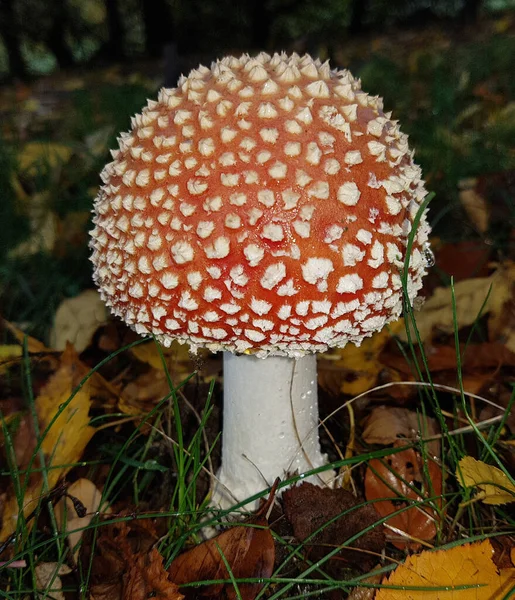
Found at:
<point>114,48</point>
<point>358,13</point>
<point>9,31</point>
<point>55,38</point>
<point>159,26</point>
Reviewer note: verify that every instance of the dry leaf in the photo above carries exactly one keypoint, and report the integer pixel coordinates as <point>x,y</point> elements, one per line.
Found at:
<point>388,424</point>
<point>67,437</point>
<point>474,204</point>
<point>77,319</point>
<point>48,579</point>
<point>309,507</point>
<point>8,354</point>
<point>35,155</point>
<point>147,578</point>
<point>176,354</point>
<point>353,370</point>
<point>469,564</point>
<point>402,477</point>
<point>493,485</point>
<point>124,562</point>
<point>249,551</point>
<point>470,296</point>
<point>43,233</point>
<point>34,346</point>
<point>367,593</point>
<point>68,520</point>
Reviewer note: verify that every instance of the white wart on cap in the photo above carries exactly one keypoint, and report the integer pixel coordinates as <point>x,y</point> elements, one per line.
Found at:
<point>264,205</point>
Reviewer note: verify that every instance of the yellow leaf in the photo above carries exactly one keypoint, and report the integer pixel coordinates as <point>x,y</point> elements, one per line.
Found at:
<point>470,295</point>
<point>66,439</point>
<point>8,352</point>
<point>149,353</point>
<point>48,155</point>
<point>466,565</point>
<point>361,363</point>
<point>494,486</point>
<point>34,346</point>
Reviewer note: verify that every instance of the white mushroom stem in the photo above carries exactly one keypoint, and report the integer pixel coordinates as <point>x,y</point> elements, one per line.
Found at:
<point>270,425</point>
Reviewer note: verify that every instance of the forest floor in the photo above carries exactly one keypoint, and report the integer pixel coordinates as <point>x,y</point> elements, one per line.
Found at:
<point>108,441</point>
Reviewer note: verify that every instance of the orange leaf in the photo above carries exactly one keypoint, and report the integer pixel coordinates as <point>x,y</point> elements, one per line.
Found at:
<point>402,478</point>
<point>147,578</point>
<point>248,550</point>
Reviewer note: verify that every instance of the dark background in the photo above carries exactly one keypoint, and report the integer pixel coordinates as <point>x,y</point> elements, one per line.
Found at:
<point>38,36</point>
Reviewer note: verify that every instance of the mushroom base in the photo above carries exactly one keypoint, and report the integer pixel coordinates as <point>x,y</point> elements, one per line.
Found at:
<point>270,426</point>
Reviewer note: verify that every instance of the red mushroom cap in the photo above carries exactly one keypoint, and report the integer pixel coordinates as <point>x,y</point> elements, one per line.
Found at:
<point>264,205</point>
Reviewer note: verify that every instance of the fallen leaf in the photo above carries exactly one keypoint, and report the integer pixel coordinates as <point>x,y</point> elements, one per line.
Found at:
<point>367,593</point>
<point>66,438</point>
<point>176,356</point>
<point>470,294</point>
<point>389,424</point>
<point>34,346</point>
<point>124,562</point>
<point>494,486</point>
<point>465,565</point>
<point>402,478</point>
<point>147,578</point>
<point>462,260</point>
<point>310,507</point>
<point>8,354</point>
<point>48,580</point>
<point>248,550</point>
<point>89,496</point>
<point>35,155</point>
<point>353,370</point>
<point>474,204</point>
<point>42,238</point>
<point>77,319</point>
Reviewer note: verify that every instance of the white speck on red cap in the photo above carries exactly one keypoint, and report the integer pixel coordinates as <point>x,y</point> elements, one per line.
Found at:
<point>257,182</point>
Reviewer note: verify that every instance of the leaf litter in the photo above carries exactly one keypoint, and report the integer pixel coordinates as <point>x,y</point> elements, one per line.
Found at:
<point>126,562</point>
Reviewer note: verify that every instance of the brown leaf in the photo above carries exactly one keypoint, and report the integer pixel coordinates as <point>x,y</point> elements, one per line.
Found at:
<point>249,551</point>
<point>309,508</point>
<point>486,294</point>
<point>402,477</point>
<point>386,424</point>
<point>147,578</point>
<point>474,204</point>
<point>124,563</point>
<point>462,260</point>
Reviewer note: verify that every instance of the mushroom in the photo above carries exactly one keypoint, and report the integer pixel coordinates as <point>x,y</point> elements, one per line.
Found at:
<point>262,208</point>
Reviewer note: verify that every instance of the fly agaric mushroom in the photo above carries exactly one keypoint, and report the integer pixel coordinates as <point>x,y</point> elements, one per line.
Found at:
<point>261,208</point>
